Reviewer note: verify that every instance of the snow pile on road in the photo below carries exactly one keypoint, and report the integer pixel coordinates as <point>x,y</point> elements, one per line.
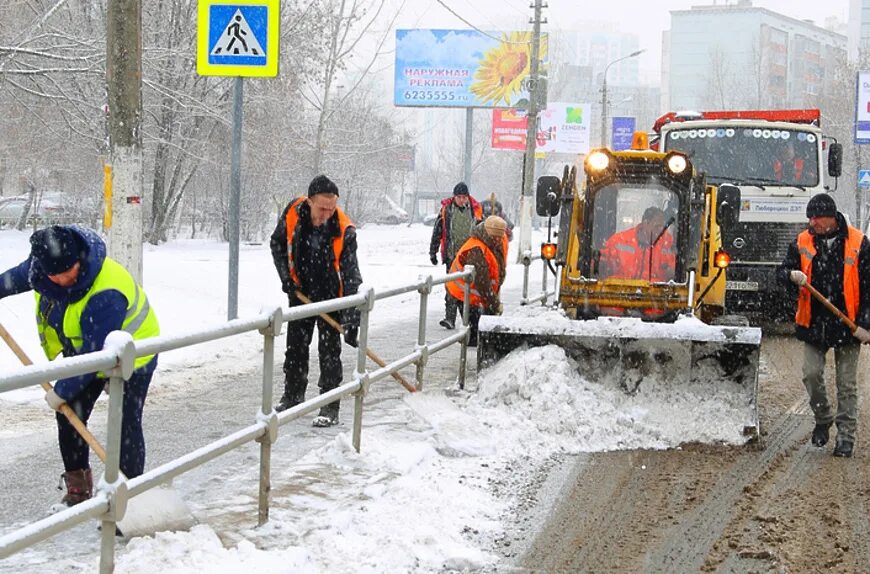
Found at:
<point>541,388</point>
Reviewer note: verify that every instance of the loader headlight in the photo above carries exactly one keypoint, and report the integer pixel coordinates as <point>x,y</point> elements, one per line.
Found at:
<point>597,161</point>
<point>677,163</point>
<point>721,259</point>
<point>548,251</point>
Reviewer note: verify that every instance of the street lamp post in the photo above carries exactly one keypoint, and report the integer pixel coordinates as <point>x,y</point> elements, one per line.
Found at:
<point>604,94</point>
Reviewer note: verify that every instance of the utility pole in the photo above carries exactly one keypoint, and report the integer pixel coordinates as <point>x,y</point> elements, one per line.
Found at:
<point>526,199</point>
<point>124,85</point>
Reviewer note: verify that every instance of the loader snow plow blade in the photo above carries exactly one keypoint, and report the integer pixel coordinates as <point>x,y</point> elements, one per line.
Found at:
<point>688,356</point>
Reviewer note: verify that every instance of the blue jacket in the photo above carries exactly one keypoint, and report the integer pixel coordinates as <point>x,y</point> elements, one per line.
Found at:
<point>103,314</point>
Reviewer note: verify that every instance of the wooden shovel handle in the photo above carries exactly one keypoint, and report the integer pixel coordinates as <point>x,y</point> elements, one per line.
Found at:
<point>830,306</point>
<point>371,354</point>
<point>67,411</point>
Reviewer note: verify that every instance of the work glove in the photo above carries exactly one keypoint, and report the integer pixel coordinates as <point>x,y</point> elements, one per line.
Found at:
<point>862,335</point>
<point>797,277</point>
<point>351,335</point>
<point>433,258</point>
<point>54,400</point>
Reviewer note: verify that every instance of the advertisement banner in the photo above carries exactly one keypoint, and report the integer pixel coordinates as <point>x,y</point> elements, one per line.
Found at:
<point>562,128</point>
<point>464,68</point>
<point>508,130</point>
<point>622,132</point>
<point>862,109</point>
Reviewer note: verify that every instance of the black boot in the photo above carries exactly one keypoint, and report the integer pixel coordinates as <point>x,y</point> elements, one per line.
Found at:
<point>289,400</point>
<point>450,308</point>
<point>820,434</point>
<point>844,448</point>
<point>328,416</point>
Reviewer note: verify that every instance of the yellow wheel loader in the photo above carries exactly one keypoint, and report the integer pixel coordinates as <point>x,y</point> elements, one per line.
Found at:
<point>641,291</point>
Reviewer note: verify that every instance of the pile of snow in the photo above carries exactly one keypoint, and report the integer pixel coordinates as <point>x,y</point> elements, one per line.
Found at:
<point>542,388</point>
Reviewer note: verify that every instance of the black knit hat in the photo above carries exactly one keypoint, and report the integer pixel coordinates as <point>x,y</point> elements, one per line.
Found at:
<point>322,184</point>
<point>460,189</point>
<point>56,249</point>
<point>821,205</point>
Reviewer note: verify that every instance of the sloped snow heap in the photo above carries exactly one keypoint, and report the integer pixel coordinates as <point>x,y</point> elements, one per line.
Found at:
<point>541,387</point>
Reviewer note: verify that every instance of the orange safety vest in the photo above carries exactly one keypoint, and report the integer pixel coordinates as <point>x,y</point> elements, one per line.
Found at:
<point>798,169</point>
<point>626,259</point>
<point>291,222</point>
<point>851,284</point>
<point>456,288</point>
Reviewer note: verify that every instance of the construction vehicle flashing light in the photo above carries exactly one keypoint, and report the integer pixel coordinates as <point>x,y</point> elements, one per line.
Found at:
<point>677,163</point>
<point>721,259</point>
<point>640,141</point>
<point>548,251</point>
<point>598,161</point>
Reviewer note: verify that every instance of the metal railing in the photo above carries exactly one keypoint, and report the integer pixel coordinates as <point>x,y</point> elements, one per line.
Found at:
<point>527,261</point>
<point>116,361</point>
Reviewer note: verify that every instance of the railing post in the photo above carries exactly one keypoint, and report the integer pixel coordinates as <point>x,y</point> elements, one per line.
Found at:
<point>527,260</point>
<point>112,484</point>
<point>463,349</point>
<point>361,374</point>
<point>267,414</point>
<point>544,282</point>
<point>424,291</point>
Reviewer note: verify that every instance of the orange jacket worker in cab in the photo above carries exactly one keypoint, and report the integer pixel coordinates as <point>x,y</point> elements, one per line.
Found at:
<point>644,251</point>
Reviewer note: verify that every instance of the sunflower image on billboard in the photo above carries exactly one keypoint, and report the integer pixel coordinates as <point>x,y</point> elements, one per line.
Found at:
<point>464,68</point>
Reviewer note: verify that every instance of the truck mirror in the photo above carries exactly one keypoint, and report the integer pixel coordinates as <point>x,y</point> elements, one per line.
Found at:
<point>835,159</point>
<point>547,195</point>
<point>728,205</point>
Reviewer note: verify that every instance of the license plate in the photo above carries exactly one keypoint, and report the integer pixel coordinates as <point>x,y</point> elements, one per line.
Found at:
<point>742,285</point>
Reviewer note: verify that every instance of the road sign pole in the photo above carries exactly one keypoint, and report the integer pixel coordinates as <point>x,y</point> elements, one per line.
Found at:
<point>235,194</point>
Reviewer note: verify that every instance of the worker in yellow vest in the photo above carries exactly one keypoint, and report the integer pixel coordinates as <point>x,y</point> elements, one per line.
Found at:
<point>81,296</point>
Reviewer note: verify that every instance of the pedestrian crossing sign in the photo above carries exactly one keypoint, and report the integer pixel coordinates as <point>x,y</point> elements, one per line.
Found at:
<point>864,177</point>
<point>238,38</point>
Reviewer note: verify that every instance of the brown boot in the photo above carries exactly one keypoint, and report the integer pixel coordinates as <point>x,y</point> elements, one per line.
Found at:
<point>79,486</point>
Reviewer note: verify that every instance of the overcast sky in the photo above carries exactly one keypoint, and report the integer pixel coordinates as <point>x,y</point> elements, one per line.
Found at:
<point>645,18</point>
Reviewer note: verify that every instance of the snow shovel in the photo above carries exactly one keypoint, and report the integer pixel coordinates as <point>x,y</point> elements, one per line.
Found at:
<point>371,354</point>
<point>830,307</point>
<point>154,510</point>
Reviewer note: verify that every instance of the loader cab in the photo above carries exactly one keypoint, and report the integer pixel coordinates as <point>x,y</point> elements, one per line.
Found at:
<point>638,209</point>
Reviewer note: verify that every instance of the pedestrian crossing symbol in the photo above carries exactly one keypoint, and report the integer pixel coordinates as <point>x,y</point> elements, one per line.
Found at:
<point>864,177</point>
<point>238,38</point>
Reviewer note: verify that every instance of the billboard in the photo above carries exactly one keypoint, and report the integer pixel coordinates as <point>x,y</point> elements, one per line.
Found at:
<point>562,128</point>
<point>622,132</point>
<point>509,130</point>
<point>862,109</point>
<point>463,68</point>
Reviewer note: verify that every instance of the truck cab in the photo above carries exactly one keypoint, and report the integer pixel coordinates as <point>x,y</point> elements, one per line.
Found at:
<point>779,159</point>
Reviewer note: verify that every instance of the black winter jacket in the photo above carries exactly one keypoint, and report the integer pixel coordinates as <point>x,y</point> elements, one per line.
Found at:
<point>825,329</point>
<point>315,260</point>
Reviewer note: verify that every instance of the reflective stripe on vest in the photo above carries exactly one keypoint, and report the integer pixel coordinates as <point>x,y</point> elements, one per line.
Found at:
<point>140,320</point>
<point>457,287</point>
<point>851,283</point>
<point>292,220</point>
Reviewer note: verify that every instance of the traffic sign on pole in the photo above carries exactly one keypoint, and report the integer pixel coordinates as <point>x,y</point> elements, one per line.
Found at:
<point>238,38</point>
<point>864,178</point>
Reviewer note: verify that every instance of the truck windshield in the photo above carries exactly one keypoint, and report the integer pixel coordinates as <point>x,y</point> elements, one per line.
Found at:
<point>750,155</point>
